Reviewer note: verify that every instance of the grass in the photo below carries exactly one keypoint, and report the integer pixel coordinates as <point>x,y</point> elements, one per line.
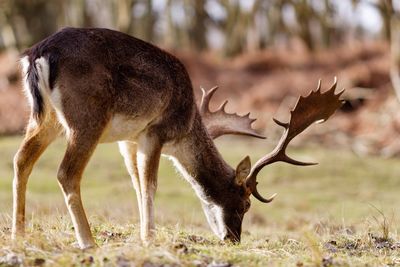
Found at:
<point>342,212</point>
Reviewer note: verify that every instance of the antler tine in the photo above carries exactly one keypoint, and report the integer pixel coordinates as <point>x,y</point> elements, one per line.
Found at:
<point>220,122</point>
<point>261,198</point>
<point>223,105</point>
<point>316,107</point>
<point>320,83</point>
<point>283,124</point>
<point>205,99</point>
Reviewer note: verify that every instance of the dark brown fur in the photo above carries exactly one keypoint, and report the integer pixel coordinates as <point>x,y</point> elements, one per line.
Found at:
<point>127,71</point>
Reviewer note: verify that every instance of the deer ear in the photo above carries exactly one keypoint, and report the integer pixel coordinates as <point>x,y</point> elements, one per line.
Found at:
<point>243,170</point>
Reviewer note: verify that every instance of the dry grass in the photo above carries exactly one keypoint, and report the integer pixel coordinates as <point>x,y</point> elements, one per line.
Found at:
<point>323,216</point>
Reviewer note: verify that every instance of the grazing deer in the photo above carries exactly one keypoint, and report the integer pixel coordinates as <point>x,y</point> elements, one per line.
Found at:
<point>99,85</point>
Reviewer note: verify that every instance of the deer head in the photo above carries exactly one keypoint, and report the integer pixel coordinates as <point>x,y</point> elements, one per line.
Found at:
<point>316,107</point>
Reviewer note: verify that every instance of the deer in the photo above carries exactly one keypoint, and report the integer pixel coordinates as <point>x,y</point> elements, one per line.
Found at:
<point>95,85</point>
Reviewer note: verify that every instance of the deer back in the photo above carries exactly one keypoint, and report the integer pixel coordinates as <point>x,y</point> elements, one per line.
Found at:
<point>120,76</point>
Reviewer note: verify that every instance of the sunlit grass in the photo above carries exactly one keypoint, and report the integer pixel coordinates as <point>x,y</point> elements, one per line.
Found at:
<point>326,214</point>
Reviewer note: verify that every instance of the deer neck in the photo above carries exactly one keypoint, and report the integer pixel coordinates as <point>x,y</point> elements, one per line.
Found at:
<point>199,161</point>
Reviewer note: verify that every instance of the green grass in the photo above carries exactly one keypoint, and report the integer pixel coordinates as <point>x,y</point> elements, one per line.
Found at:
<point>329,214</point>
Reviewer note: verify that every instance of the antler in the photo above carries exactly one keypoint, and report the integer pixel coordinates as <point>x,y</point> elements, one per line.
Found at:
<point>220,122</point>
<point>316,107</point>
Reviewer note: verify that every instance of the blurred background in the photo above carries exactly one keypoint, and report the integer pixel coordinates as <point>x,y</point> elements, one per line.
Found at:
<point>261,53</point>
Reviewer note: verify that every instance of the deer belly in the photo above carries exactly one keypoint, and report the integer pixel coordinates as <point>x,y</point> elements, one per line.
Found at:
<point>123,128</point>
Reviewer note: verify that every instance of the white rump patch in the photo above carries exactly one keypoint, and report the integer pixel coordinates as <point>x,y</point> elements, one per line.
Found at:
<point>42,65</point>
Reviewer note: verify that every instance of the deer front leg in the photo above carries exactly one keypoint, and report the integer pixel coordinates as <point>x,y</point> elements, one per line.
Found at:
<point>36,140</point>
<point>80,148</point>
<point>128,151</point>
<point>148,158</point>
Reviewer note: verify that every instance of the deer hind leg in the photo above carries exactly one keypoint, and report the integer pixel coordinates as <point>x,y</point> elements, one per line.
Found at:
<point>79,150</point>
<point>128,151</point>
<point>148,158</point>
<point>37,139</point>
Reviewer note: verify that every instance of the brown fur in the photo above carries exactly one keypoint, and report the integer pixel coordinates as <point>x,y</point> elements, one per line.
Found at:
<point>98,75</point>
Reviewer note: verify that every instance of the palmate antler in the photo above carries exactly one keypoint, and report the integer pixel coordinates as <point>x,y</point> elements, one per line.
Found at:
<point>316,107</point>
<point>220,122</point>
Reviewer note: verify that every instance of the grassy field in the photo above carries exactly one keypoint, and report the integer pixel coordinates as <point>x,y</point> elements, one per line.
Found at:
<point>342,212</point>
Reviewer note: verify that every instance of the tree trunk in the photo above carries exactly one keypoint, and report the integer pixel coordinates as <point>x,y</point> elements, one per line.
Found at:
<point>198,31</point>
<point>395,55</point>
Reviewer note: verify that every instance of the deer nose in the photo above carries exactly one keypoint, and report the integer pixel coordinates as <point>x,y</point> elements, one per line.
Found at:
<point>232,238</point>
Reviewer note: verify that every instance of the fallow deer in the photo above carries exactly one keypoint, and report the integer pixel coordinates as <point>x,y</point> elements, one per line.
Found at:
<point>98,85</point>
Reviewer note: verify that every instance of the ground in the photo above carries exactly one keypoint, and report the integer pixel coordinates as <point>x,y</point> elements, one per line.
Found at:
<point>342,212</point>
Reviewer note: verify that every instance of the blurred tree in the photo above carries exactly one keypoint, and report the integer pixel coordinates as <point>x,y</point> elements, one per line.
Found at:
<point>171,36</point>
<point>101,13</point>
<point>314,22</point>
<point>276,25</point>
<point>146,21</point>
<point>325,19</point>
<point>31,21</point>
<point>304,15</point>
<point>243,25</point>
<point>177,33</point>
<point>197,27</point>
<point>9,37</point>
<point>395,54</point>
<point>75,14</point>
<point>234,26</point>
<point>385,9</point>
<point>123,10</point>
